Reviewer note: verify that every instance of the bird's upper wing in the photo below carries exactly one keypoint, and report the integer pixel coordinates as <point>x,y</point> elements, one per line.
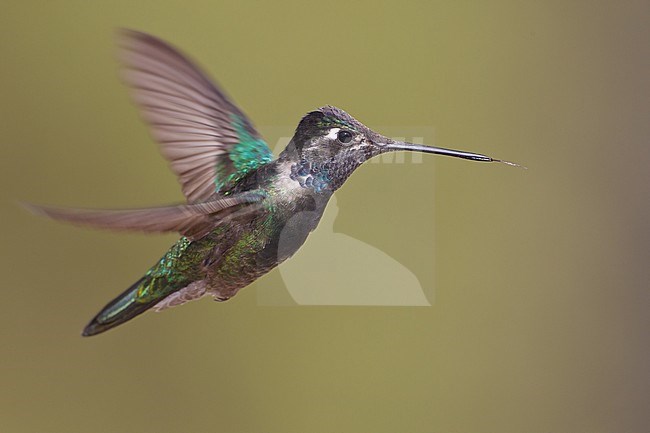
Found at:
<point>207,140</point>
<point>191,220</point>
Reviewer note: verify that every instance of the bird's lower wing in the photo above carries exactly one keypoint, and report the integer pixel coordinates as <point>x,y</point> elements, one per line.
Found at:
<point>191,220</point>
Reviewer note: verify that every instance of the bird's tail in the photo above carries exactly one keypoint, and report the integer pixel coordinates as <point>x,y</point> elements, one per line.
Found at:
<point>121,309</point>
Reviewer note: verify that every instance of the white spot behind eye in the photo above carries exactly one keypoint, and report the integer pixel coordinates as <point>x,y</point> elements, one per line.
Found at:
<point>333,133</point>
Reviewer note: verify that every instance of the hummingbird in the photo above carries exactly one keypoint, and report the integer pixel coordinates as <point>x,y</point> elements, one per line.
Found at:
<point>245,212</point>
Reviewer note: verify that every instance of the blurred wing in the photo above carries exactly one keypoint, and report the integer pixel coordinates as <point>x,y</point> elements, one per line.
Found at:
<point>208,141</point>
<point>193,221</point>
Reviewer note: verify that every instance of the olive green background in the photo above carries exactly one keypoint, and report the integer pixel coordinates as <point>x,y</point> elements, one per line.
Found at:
<point>541,315</point>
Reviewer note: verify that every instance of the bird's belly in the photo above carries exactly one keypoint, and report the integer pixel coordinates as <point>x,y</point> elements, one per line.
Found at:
<point>256,249</point>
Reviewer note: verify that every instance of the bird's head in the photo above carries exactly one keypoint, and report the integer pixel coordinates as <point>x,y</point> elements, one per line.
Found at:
<point>330,143</point>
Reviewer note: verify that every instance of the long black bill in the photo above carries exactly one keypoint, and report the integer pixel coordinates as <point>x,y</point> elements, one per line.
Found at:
<point>402,145</point>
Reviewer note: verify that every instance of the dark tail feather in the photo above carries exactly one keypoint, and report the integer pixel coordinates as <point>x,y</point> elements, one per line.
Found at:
<point>121,309</point>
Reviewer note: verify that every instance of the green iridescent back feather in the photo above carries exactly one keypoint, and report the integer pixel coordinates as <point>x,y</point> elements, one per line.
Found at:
<point>180,266</point>
<point>247,155</point>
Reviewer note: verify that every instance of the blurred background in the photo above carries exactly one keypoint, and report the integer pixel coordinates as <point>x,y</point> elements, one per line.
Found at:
<point>541,313</point>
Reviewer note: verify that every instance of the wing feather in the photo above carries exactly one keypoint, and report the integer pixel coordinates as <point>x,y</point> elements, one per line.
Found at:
<point>191,220</point>
<point>201,132</point>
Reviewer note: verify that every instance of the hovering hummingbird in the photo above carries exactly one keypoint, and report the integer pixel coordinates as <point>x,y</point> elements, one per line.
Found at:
<point>246,212</point>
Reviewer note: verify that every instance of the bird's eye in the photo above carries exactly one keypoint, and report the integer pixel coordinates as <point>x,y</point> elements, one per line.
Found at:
<point>344,136</point>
